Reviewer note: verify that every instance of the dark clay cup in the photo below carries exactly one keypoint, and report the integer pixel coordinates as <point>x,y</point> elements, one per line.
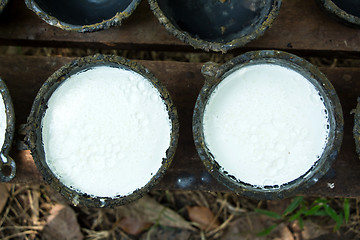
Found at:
<point>34,132</point>
<point>214,74</point>
<point>83,15</point>
<point>345,11</point>
<point>218,25</point>
<point>356,129</point>
<point>2,5</point>
<point>7,164</point>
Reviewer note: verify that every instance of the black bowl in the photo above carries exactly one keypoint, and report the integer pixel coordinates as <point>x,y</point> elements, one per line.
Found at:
<point>218,25</point>
<point>214,74</point>
<point>83,15</point>
<point>345,11</point>
<point>34,131</point>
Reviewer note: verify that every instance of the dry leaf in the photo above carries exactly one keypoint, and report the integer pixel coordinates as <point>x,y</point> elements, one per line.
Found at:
<point>246,227</point>
<point>168,234</point>
<point>147,209</point>
<point>282,232</point>
<point>4,195</point>
<point>203,216</point>
<point>62,224</point>
<point>312,230</point>
<point>133,226</point>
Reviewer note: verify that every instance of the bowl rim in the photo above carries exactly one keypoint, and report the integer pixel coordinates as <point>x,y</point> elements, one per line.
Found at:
<point>34,136</point>
<point>10,118</point>
<point>105,24</point>
<point>341,15</point>
<point>198,43</point>
<point>9,132</point>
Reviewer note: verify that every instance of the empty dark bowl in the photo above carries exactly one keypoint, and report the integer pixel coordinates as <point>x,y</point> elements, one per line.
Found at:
<point>83,15</point>
<point>2,4</point>
<point>218,25</point>
<point>214,74</point>
<point>7,164</point>
<point>34,133</point>
<point>345,11</point>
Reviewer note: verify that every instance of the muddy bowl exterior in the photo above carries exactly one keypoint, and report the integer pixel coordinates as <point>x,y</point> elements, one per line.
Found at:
<point>83,15</point>
<point>214,74</point>
<point>168,16</point>
<point>339,14</point>
<point>34,131</point>
<point>7,166</point>
<point>2,5</point>
<point>356,129</point>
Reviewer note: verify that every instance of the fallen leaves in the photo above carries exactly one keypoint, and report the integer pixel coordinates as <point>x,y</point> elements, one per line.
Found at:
<point>246,227</point>
<point>203,217</point>
<point>32,212</point>
<point>133,226</point>
<point>312,230</point>
<point>148,211</point>
<point>168,234</point>
<point>62,224</point>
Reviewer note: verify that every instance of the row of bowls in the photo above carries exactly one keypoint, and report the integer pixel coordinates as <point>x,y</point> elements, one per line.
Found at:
<point>213,74</point>
<point>218,25</point>
<point>210,25</point>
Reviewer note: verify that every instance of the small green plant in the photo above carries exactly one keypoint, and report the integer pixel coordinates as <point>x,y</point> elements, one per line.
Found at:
<point>299,209</point>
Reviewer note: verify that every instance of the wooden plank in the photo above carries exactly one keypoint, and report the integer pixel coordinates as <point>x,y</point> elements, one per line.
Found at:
<point>300,26</point>
<point>25,75</point>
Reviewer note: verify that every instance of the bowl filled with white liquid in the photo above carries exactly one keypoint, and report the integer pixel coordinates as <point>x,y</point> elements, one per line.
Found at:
<point>267,124</point>
<point>103,131</point>
<point>7,128</point>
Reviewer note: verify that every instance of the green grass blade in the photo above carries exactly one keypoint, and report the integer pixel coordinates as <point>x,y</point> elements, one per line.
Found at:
<point>301,223</point>
<point>339,222</point>
<point>312,211</point>
<point>320,213</point>
<point>331,212</point>
<point>321,200</point>
<point>268,213</point>
<point>293,205</point>
<point>346,209</point>
<point>267,230</point>
<point>296,215</point>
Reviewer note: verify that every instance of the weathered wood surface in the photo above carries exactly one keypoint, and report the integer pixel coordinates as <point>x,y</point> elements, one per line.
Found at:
<point>25,75</point>
<point>300,26</point>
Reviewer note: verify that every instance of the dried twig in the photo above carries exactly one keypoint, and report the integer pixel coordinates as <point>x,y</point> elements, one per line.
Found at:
<point>20,234</point>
